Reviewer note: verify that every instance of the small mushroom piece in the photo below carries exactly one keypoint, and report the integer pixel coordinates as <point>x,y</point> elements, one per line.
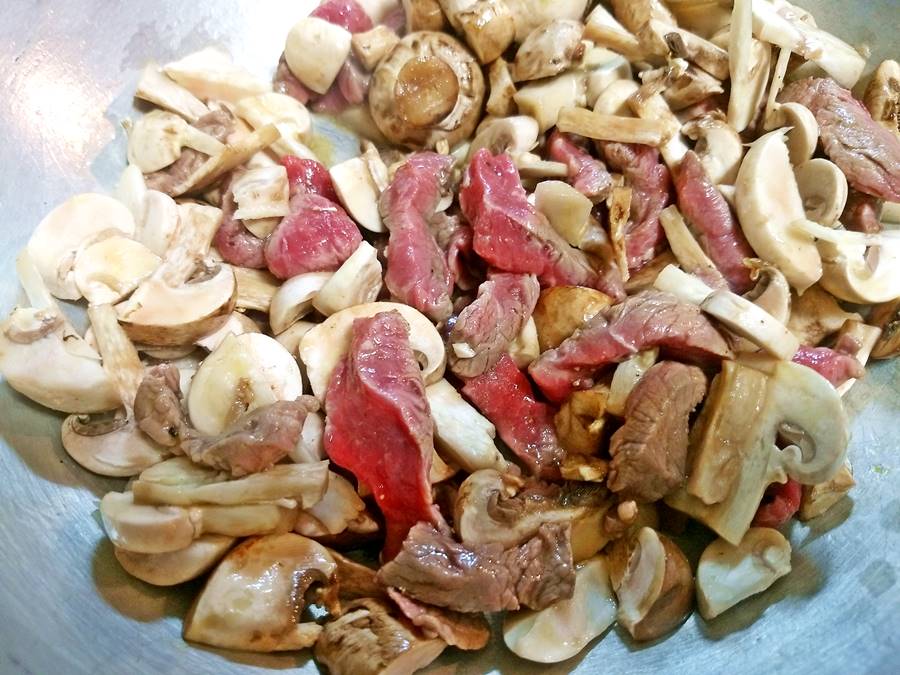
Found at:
<point>718,146</point>
<point>287,114</point>
<point>816,314</point>
<point>159,222</point>
<point>653,108</point>
<point>357,281</point>
<point>255,288</point>
<point>562,310</point>
<point>422,15</point>
<point>261,193</point>
<point>311,446</point>
<point>663,37</point>
<point>625,378</point>
<point>818,499</point>
<point>294,299</point>
<point>531,14</point>
<point>524,349</point>
<point>338,507</point>
<point>514,135</point>
<point>56,240</point>
<point>579,424</point>
<point>358,192</point>
<point>568,211</point>
<point>371,46</point>
<point>367,640</point>
<point>176,567</point>
<point>655,586</point>
<point>461,433</point>
<point>687,249</point>
<point>824,190</point>
<point>882,96</point>
<point>110,269</point>
<point>157,88</point>
<point>315,52</point>
<point>156,139</point>
<point>802,133</point>
<point>563,629</point>
<point>614,99</point>
<point>887,317</point>
<point>635,14</point>
<point>748,64</point>
<point>615,128</point>
<point>210,74</point>
<point>728,574</point>
<point>244,373</point>
<point>325,345</point>
<point>548,50</point>
<point>502,90</point>
<point>487,25</point>
<point>256,597</point>
<point>768,202</point>
<point>544,99</point>
<point>428,89</point>
<point>131,190</point>
<point>604,30</point>
<point>603,67</point>
<point>237,324</point>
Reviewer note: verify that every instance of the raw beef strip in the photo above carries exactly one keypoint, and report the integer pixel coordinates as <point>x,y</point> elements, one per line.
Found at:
<point>779,504</point>
<point>309,176</point>
<point>586,174</point>
<point>348,14</point>
<point>834,365</point>
<point>238,245</point>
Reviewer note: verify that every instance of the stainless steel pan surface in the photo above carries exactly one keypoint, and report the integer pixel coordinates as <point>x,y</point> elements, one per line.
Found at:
<point>67,73</point>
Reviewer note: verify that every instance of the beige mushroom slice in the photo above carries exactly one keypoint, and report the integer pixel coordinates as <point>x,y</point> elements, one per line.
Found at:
<point>817,499</point>
<point>563,629</point>
<point>423,15</point>
<point>461,433</point>
<point>728,574</point>
<point>255,288</point>
<point>514,135</point>
<point>625,378</point>
<point>686,249</point>
<point>311,446</point>
<point>618,129</point>
<point>782,24</point>
<point>325,345</point>
<point>816,314</point>
<point>291,337</point>
<point>131,190</point>
<point>56,240</point>
<point>544,99</point>
<point>236,324</point>
<point>488,26</point>
<point>159,222</point>
<point>286,114</point>
<point>768,201</point>
<point>157,88</point>
<point>373,45</point>
<point>653,582</point>
<point>145,528</point>
<point>210,74</point>
<point>176,482</point>
<point>176,567</point>
<point>261,193</point>
<point>531,14</point>
<point>428,89</point>
<point>735,456</point>
<point>43,358</point>
<point>604,30</point>
<point>256,597</point>
<point>749,62</point>
<point>548,50</point>
<point>882,96</point>
<point>112,268</point>
<point>156,139</point>
<point>703,17</point>
<point>614,99</point>
<point>740,315</point>
<point>603,68</point>
<point>357,281</point>
<point>719,147</point>
<point>525,349</point>
<point>244,373</point>
<point>367,640</point>
<point>294,299</point>
<point>664,37</point>
<point>803,130</point>
<point>772,291</point>
<point>654,108</point>
<point>358,192</point>
<point>824,190</point>
<point>502,89</point>
<point>334,512</point>
<point>634,14</point>
<point>568,211</point>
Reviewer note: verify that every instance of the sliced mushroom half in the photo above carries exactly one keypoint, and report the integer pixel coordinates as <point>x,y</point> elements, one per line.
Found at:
<point>357,281</point>
<point>802,130</point>
<point>823,187</point>
<point>210,74</point>
<point>111,268</point>
<point>155,141</point>
<point>176,567</point>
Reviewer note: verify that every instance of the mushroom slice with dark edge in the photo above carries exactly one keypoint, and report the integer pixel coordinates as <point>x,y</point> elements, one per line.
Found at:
<point>428,89</point>
<point>367,640</point>
<point>256,598</point>
<point>176,567</point>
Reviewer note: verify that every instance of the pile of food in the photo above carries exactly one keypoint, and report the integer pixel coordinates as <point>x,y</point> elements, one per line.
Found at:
<point>597,276</point>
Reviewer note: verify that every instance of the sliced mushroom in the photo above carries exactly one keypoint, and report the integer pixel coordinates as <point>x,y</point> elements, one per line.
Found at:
<point>548,50</point>
<point>883,95</point>
<point>768,201</point>
<point>367,640</point>
<point>156,88</point>
<point>687,249</point>
<point>110,269</point>
<point>236,324</point>
<point>634,14</point>
<point>315,51</point>
<point>460,432</point>
<point>562,310</point>
<point>294,299</point>
<point>502,90</point>
<point>562,630</point>
<point>772,291</point>
<point>156,139</point>
<point>728,573</point>
<point>358,192</point>
<point>261,193</point>
<point>605,30</point>
<point>568,211</point>
<point>325,345</point>
<point>749,62</point>
<point>311,446</point>
<point>525,349</point>
<point>816,314</point>
<point>580,424</point>
<point>373,45</point>
<point>718,146</point>
<point>543,100</point>
<point>625,378</point>
<point>159,222</point>
<point>131,190</point>
<point>357,281</point>
<point>603,67</point>
<point>653,582</point>
<point>423,15</point>
<point>176,567</point>
<point>615,128</point>
<point>818,499</point>
<point>736,444</point>
<point>802,133</point>
<point>531,14</point>
<point>255,288</point>
<point>824,190</point>
<point>255,599</point>
<point>428,89</point>
<point>244,373</point>
<point>210,74</point>
<point>653,108</point>
<point>290,338</point>
<point>285,113</point>
<point>662,37</point>
<point>56,240</point>
<point>614,99</point>
<point>514,135</point>
<point>339,506</point>
<point>488,26</point>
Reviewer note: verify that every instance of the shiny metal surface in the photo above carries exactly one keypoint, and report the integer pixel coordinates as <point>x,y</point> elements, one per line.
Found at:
<point>67,71</point>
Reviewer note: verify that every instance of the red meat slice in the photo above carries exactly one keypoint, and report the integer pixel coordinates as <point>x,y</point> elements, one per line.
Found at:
<point>651,186</point>
<point>309,176</point>
<point>834,365</point>
<point>719,233</point>
<point>648,319</point>
<point>867,152</point>
<point>504,395</point>
<point>348,14</point>
<point>861,213</point>
<point>417,271</point>
<point>379,427</point>
<point>586,174</point>
<point>511,235</point>
<point>455,239</point>
<point>238,245</point>
<point>779,504</point>
<point>316,236</point>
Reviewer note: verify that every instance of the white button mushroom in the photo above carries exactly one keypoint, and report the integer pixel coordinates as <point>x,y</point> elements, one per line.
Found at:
<point>261,193</point>
<point>176,567</point>
<point>291,337</point>
<point>356,282</point>
<point>802,130</point>
<point>311,446</point>
<point>614,99</point>
<point>315,51</point>
<point>131,190</point>
<point>244,373</point>
<point>325,345</point>
<point>358,192</point>
<point>236,324</point>
<point>748,65</point>
<point>525,348</point>
<point>373,45</point>
<point>156,139</point>
<point>531,14</point>
<point>156,88</point>
<point>488,26</point>
<point>719,147</point>
<point>543,100</point>
<point>159,222</point>
<point>625,378</point>
<point>210,74</point>
<point>768,201</point>
<point>285,113</point>
<point>333,513</point>
<point>294,299</point>
<point>818,499</point>
<point>502,89</point>
<point>564,628</point>
<point>728,574</point>
<point>568,211</point>
<point>823,187</point>
<point>110,269</point>
<point>548,50</point>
